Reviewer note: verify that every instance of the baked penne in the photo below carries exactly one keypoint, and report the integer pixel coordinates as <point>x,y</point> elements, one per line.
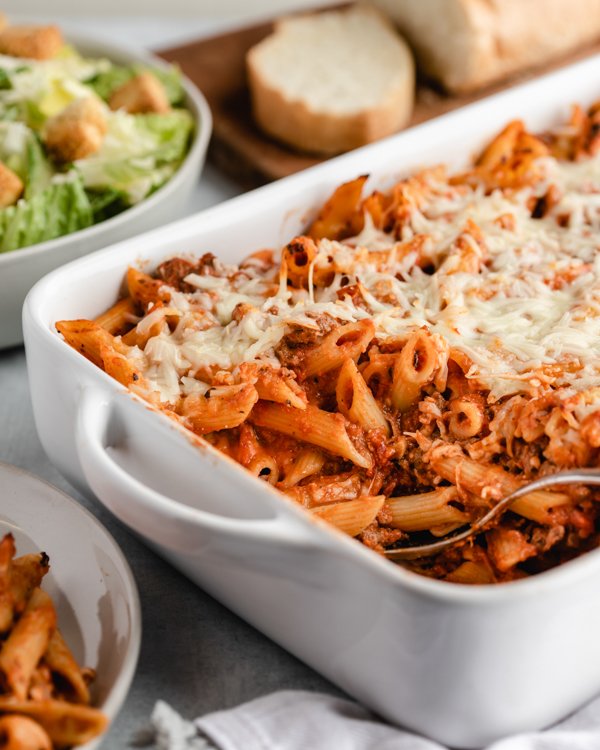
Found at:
<point>27,643</point>
<point>311,425</point>
<point>415,367</point>
<point>353,516</point>
<point>66,724</point>
<point>428,510</point>
<point>44,694</point>
<point>355,400</point>
<point>221,408</point>
<point>307,463</point>
<point>22,733</point>
<point>346,342</point>
<point>340,213</point>
<point>27,573</point>
<point>435,344</point>
<point>7,551</point>
<point>59,659</point>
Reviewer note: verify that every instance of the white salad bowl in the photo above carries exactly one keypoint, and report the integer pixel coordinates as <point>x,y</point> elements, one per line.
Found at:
<point>464,665</point>
<point>20,269</point>
<point>90,582</point>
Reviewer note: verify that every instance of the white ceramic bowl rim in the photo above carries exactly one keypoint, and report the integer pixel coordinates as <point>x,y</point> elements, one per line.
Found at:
<point>196,105</point>
<point>121,686</point>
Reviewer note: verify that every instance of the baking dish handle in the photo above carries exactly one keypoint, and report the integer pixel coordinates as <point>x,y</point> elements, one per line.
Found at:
<point>162,520</point>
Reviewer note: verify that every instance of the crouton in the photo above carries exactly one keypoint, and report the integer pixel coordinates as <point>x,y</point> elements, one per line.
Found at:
<point>11,186</point>
<point>144,93</point>
<point>77,131</point>
<point>34,42</point>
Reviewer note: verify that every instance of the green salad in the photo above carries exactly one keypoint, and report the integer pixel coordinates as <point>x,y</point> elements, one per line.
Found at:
<point>82,140</point>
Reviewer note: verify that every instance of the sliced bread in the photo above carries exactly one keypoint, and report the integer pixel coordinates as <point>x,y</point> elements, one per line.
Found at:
<point>329,82</point>
<point>467,44</point>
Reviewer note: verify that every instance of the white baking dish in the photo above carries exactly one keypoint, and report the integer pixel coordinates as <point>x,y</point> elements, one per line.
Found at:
<point>464,665</point>
<point>20,269</point>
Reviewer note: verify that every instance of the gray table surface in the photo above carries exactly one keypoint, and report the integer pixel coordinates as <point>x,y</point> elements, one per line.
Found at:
<point>195,653</point>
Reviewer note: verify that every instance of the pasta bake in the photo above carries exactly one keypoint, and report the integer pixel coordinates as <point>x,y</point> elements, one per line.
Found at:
<point>44,694</point>
<point>413,357</point>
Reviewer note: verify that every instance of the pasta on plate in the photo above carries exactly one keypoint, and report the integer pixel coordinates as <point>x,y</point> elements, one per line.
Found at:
<point>44,694</point>
<point>417,354</point>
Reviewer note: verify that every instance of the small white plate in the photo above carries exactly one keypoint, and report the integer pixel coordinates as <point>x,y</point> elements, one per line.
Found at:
<point>89,581</point>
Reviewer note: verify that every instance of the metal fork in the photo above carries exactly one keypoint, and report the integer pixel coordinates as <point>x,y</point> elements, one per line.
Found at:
<point>570,476</point>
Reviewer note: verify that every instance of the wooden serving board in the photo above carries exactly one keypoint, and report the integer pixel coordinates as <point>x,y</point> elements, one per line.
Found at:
<point>238,147</point>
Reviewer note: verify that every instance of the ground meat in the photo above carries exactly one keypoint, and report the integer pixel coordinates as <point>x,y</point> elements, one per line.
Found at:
<point>545,537</point>
<point>412,465</point>
<point>527,456</point>
<point>294,344</point>
<point>379,447</point>
<point>378,537</point>
<point>173,271</point>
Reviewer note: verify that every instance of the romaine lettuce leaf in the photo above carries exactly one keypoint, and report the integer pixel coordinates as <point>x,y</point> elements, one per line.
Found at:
<point>57,210</point>
<point>106,202</point>
<point>14,137</point>
<point>139,153</point>
<point>171,132</point>
<point>38,171</point>
<point>5,82</point>
<point>105,83</point>
<point>21,151</point>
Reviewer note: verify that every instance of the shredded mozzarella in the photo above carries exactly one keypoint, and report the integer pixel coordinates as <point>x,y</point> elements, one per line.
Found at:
<point>534,302</point>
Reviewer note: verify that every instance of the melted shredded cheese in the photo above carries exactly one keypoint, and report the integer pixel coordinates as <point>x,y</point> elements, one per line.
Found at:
<point>529,317</point>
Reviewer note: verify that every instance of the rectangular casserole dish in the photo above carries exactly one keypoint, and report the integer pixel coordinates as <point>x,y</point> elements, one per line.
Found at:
<point>463,665</point>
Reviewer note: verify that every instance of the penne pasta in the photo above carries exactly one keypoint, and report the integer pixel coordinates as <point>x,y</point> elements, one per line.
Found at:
<point>221,408</point>
<point>27,573</point>
<point>426,511</point>
<point>44,695</point>
<point>22,733</point>
<point>307,463</point>
<point>103,350</point>
<point>438,332</point>
<point>27,643</point>
<point>118,317</point>
<point>471,573</point>
<point>346,342</point>
<point>7,551</point>
<point>144,290</point>
<point>493,483</point>
<point>356,402</point>
<point>353,516</point>
<point>270,386</point>
<point>297,259</point>
<point>313,426</point>
<point>60,661</point>
<point>415,367</point>
<point>340,213</point>
<point>66,724</point>
<point>265,467</point>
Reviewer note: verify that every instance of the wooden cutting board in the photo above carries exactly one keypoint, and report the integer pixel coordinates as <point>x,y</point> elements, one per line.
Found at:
<point>238,147</point>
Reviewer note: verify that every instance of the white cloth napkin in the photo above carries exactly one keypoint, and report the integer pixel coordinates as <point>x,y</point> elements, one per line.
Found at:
<point>299,720</point>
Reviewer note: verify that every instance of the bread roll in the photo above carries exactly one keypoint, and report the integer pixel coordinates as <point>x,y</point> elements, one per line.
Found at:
<point>329,82</point>
<point>467,44</point>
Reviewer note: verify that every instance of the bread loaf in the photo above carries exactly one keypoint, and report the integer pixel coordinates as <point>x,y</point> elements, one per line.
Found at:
<point>467,44</point>
<point>329,82</point>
